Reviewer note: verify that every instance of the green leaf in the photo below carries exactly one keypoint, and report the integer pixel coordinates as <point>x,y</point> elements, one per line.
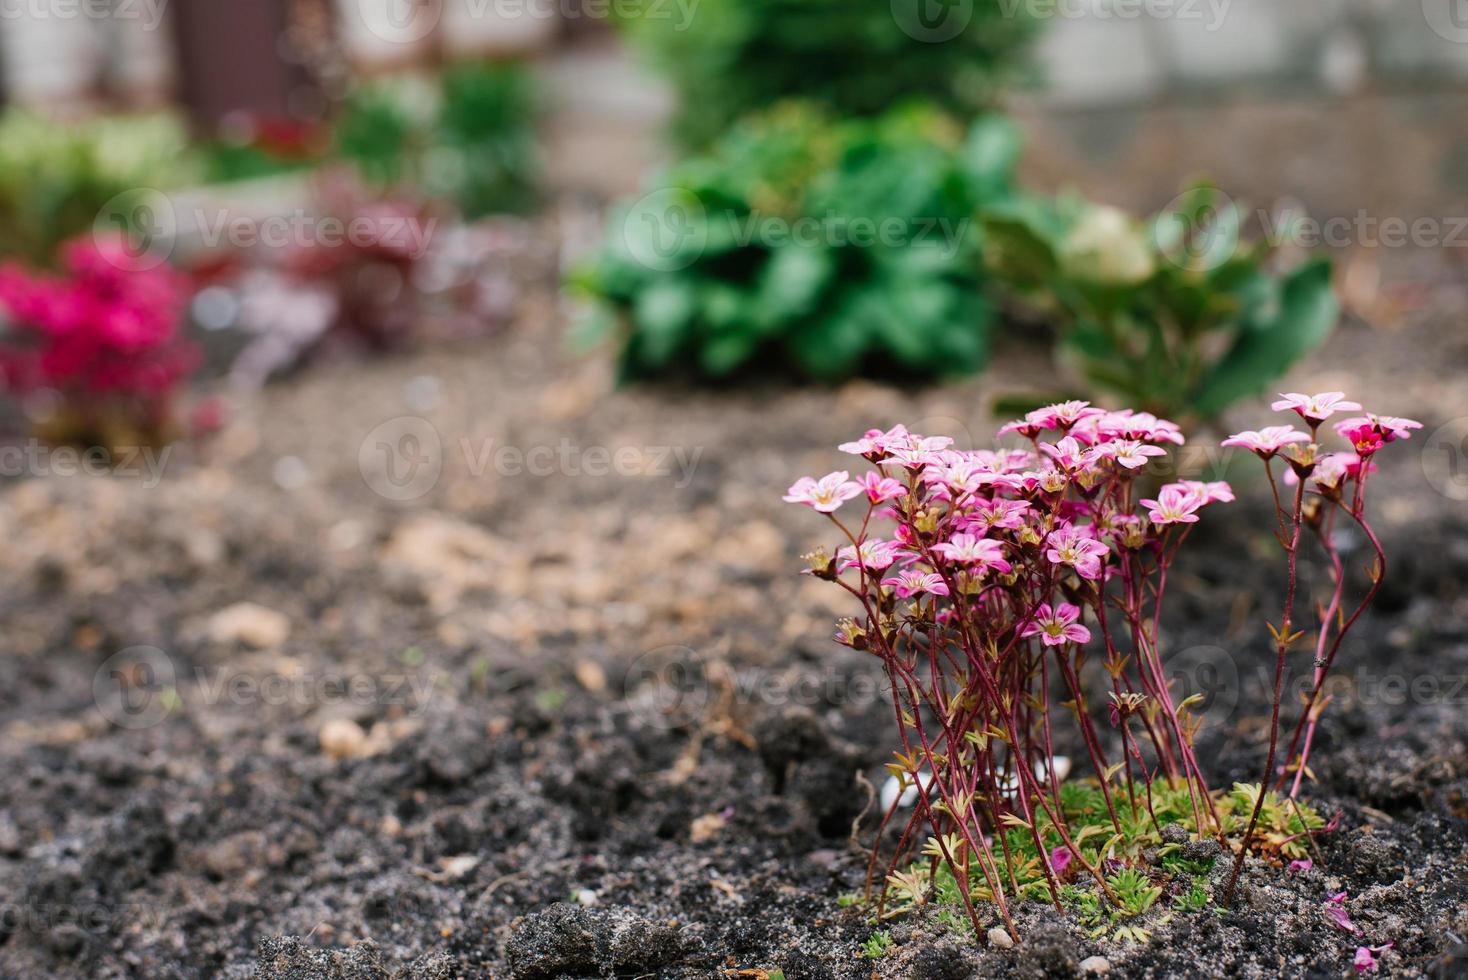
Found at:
<point>1306,313</point>
<point>661,316</point>
<point>792,281</point>
<point>724,354</point>
<point>990,154</point>
<point>1016,248</point>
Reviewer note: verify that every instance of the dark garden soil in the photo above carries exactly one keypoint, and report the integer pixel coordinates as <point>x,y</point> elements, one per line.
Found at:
<point>541,722</point>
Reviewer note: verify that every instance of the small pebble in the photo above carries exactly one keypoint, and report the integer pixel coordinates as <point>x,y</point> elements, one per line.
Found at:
<point>1095,964</point>
<point>587,897</point>
<point>1000,939</point>
<point>342,738</point>
<point>249,624</point>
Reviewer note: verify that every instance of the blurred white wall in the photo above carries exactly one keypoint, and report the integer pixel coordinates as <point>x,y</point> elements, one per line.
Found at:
<point>390,33</point>
<point>60,52</point>
<point>1108,52</point>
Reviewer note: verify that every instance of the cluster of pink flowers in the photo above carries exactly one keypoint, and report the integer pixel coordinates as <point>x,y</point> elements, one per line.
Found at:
<point>102,330</point>
<point>985,578</point>
<point>997,572</point>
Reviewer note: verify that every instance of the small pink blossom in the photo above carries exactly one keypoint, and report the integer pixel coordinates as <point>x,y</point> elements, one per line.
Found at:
<point>1368,433</point>
<point>1060,859</point>
<point>1073,547</point>
<point>1058,626</point>
<point>910,582</point>
<point>881,489</point>
<point>1068,453</point>
<point>986,515</point>
<point>1301,866</point>
<point>1175,504</point>
<point>1129,452</point>
<point>876,442</point>
<point>1315,408</point>
<point>1140,425</point>
<point>1268,440</point>
<point>1210,492</point>
<point>875,554</point>
<point>969,549</point>
<point>1065,415</point>
<point>826,494</point>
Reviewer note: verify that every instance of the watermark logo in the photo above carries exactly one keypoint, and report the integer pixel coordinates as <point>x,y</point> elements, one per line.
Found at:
<point>136,230</point>
<point>666,230</point>
<point>1448,19</point>
<point>1196,231</point>
<point>142,228</point>
<point>1214,12</point>
<point>400,21</point>
<point>136,688</point>
<point>669,229</point>
<point>1210,673</point>
<point>35,458</point>
<point>932,21</point>
<point>667,686</point>
<point>1445,459</point>
<point>149,13</point>
<point>402,458</point>
<point>140,686</point>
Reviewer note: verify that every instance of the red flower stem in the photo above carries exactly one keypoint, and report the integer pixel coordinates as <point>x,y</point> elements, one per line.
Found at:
<point>1281,647</point>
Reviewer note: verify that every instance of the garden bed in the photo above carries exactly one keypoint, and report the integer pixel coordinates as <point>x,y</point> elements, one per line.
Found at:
<point>519,738</point>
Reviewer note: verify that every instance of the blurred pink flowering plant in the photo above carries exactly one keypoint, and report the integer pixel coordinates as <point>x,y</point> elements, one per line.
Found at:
<point>103,336</point>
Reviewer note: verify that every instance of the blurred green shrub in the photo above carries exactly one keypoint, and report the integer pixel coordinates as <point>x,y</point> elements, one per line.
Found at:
<point>808,245</point>
<point>56,178</point>
<point>1177,316</point>
<point>727,58</point>
<point>469,136</point>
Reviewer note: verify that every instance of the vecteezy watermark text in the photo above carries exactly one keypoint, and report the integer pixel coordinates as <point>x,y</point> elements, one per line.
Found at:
<point>403,458</point>
<point>668,229</point>
<point>149,12</point>
<point>37,459</point>
<point>140,686</point>
<point>411,21</point>
<point>1212,11</point>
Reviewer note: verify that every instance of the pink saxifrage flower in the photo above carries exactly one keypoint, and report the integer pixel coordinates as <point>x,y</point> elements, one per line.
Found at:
<point>826,494</point>
<point>1210,492</point>
<point>970,549</point>
<point>911,582</point>
<point>1368,433</point>
<point>1314,408</point>
<point>1071,546</point>
<point>879,488</point>
<point>875,554</point>
<point>1129,452</point>
<point>1268,440</point>
<point>1175,504</point>
<point>1057,626</point>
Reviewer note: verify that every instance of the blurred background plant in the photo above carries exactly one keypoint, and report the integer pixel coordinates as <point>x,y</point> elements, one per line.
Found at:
<point>740,56</point>
<point>95,351</point>
<point>1175,315</point>
<point>56,178</point>
<point>807,245</point>
<point>467,136</point>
